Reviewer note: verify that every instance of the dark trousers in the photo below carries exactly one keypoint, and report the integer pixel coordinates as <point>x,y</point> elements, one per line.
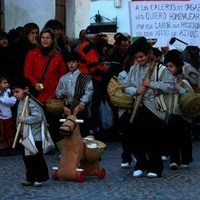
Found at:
<point>36,167</point>
<point>54,124</point>
<point>147,131</point>
<point>84,127</point>
<point>164,140</point>
<point>96,101</point>
<point>126,137</point>
<point>180,141</point>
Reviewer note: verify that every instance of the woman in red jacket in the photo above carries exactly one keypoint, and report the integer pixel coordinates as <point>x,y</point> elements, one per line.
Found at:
<point>35,64</point>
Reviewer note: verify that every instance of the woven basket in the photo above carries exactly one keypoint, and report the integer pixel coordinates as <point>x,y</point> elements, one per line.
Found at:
<point>55,106</point>
<point>92,154</point>
<point>189,104</point>
<point>117,97</point>
<point>196,88</point>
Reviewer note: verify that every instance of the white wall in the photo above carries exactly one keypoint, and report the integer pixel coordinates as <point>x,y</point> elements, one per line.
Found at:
<point>106,9</point>
<point>78,14</point>
<point>20,12</point>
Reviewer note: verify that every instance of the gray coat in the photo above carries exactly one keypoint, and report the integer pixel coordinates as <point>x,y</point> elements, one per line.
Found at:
<point>34,118</point>
<point>165,85</point>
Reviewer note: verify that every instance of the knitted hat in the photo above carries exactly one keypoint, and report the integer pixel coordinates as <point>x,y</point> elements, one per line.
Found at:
<point>92,30</point>
<point>138,46</point>
<point>73,56</point>
<point>156,52</point>
<point>54,24</point>
<point>21,82</point>
<point>174,57</point>
<point>117,35</point>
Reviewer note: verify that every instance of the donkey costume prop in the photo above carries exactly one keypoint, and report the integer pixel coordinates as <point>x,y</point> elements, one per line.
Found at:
<point>73,164</point>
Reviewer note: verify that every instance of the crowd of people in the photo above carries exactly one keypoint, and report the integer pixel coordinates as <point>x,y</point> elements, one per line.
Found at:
<point>45,64</point>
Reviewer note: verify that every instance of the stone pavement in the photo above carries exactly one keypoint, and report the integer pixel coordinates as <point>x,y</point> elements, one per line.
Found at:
<point>118,185</point>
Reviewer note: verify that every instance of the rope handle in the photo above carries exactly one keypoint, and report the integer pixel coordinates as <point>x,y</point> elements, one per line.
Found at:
<point>188,84</point>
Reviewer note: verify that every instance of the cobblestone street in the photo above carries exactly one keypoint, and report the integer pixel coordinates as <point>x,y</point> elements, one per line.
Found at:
<point>119,183</point>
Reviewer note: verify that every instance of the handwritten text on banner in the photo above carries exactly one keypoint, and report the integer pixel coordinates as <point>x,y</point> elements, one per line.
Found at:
<point>164,20</point>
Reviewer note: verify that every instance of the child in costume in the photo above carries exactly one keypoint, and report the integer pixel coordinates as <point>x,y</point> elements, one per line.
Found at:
<point>76,89</point>
<point>33,126</point>
<point>180,142</point>
<point>147,124</point>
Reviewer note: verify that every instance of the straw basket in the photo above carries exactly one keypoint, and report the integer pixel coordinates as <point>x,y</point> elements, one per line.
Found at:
<point>55,106</point>
<point>189,104</point>
<point>92,154</point>
<point>196,88</point>
<point>117,97</point>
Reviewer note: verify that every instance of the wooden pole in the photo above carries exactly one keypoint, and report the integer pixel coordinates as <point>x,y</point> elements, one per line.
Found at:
<point>140,97</point>
<point>19,124</point>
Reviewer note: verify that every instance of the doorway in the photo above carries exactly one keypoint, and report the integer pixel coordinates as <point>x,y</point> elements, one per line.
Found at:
<point>61,12</point>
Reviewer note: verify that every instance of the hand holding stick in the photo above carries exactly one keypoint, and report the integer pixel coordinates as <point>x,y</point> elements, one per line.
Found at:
<point>19,124</point>
<point>139,98</point>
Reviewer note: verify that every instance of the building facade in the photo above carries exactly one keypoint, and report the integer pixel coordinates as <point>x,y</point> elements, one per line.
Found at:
<point>74,14</point>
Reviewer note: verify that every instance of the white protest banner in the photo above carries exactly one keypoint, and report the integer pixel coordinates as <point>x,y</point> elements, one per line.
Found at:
<point>166,19</point>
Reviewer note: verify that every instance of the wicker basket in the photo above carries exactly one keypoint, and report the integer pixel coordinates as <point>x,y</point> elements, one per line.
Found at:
<point>92,154</point>
<point>196,88</point>
<point>117,97</point>
<point>189,104</point>
<point>55,106</point>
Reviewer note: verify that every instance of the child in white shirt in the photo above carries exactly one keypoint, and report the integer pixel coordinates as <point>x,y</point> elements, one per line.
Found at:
<point>7,129</point>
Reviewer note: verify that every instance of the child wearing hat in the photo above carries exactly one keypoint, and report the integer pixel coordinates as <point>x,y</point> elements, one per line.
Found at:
<point>180,142</point>
<point>76,88</point>
<point>190,73</point>
<point>147,127</point>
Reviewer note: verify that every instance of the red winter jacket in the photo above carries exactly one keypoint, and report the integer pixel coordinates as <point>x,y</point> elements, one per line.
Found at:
<point>35,63</point>
<point>90,62</point>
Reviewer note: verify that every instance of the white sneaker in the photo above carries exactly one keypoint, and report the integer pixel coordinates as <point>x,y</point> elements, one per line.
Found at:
<point>152,175</point>
<point>27,183</point>
<point>37,184</point>
<point>138,173</point>
<point>173,166</point>
<point>125,165</point>
<point>164,158</point>
<point>184,166</point>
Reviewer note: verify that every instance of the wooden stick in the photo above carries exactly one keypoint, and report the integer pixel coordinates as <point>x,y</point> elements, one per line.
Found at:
<point>19,124</point>
<point>77,120</point>
<point>139,98</point>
